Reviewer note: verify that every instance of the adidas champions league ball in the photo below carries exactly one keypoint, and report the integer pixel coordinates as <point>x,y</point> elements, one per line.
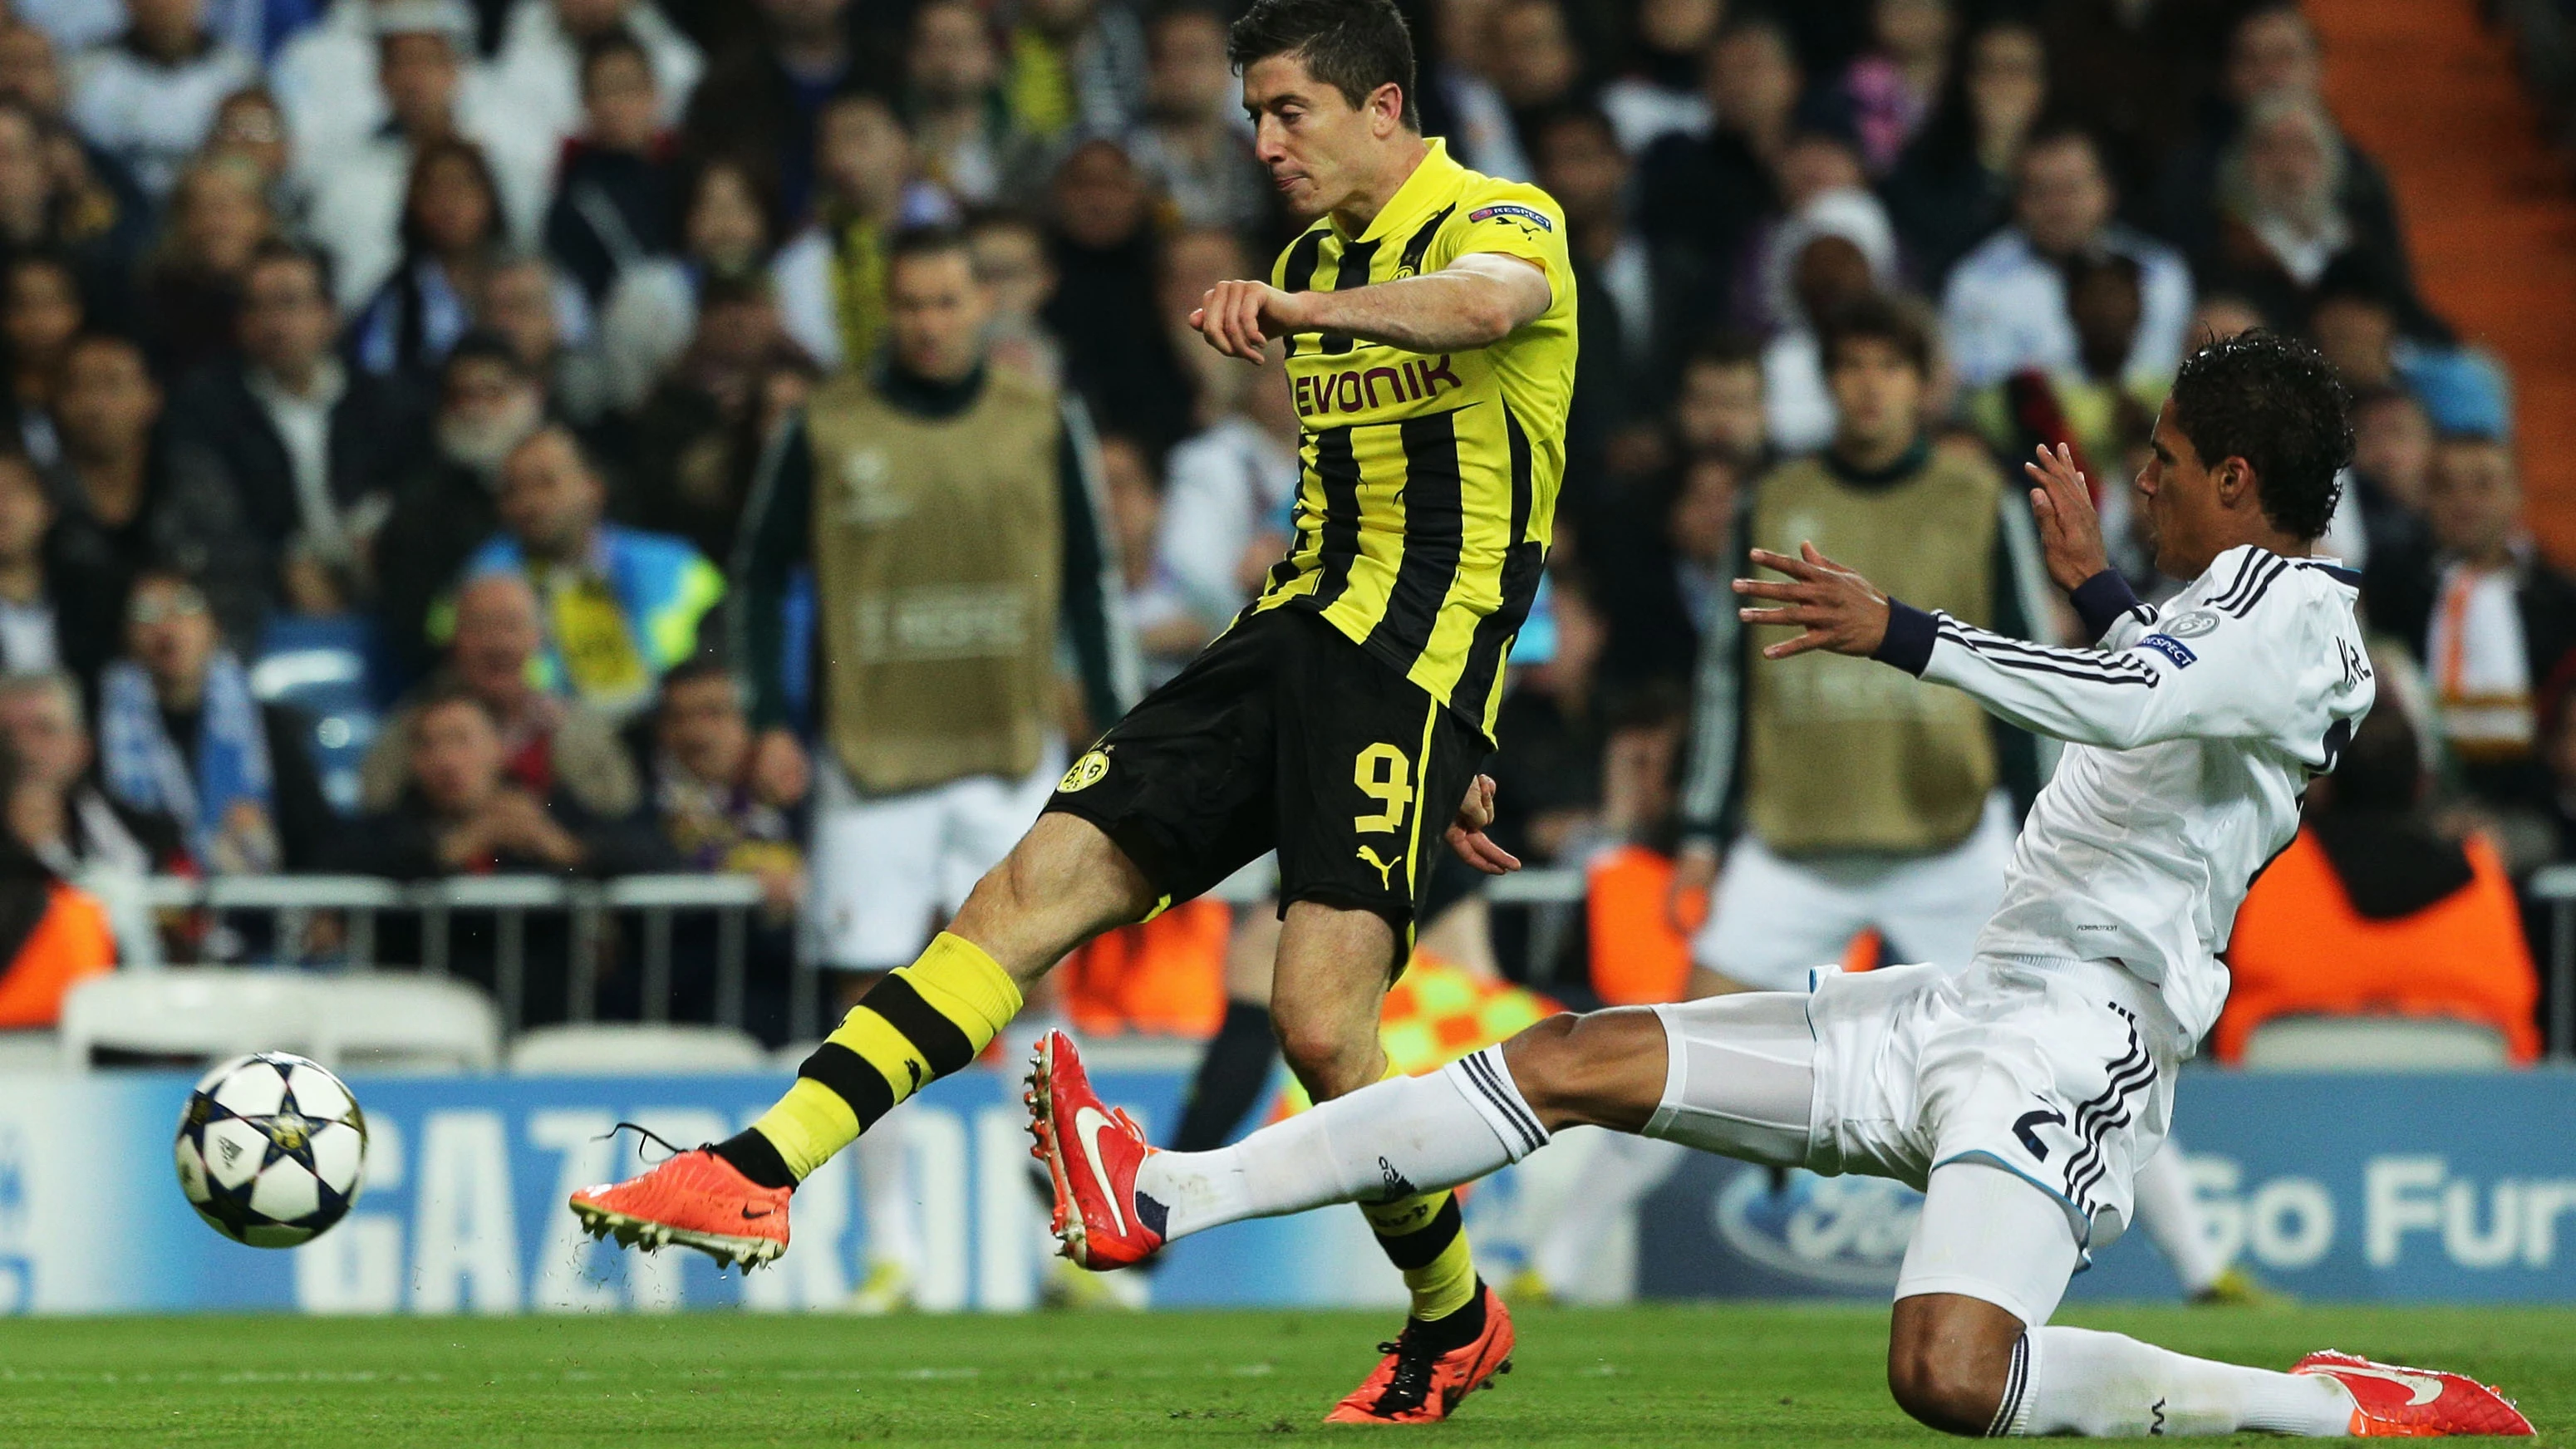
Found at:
<point>271,1149</point>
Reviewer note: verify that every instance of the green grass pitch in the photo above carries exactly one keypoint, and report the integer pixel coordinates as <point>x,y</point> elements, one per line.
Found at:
<point>1704,1374</point>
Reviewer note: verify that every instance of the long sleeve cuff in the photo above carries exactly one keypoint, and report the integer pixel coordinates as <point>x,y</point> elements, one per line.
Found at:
<point>2100,601</point>
<point>1910,636</point>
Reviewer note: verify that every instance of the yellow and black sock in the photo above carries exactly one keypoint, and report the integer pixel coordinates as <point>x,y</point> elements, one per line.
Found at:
<point>1426,1238</point>
<point>917,1025</point>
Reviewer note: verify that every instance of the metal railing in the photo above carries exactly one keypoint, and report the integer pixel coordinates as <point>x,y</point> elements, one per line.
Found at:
<point>2555,886</point>
<point>295,902</point>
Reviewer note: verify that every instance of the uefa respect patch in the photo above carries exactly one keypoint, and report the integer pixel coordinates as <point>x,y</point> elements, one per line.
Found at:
<point>1509,212</point>
<point>2171,648</point>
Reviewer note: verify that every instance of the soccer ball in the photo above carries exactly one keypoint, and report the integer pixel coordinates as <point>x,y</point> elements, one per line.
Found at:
<point>272,1149</point>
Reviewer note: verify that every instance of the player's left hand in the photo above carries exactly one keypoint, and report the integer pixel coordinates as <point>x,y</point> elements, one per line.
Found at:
<point>1835,608</point>
<point>1239,318</point>
<point>1467,836</point>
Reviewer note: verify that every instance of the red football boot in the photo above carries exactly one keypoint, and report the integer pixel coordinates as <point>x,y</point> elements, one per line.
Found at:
<point>697,1200</point>
<point>2390,1402</point>
<point>1091,1151</point>
<point>1415,1385</point>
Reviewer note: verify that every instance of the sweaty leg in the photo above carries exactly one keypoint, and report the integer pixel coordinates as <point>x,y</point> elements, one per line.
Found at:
<point>1969,1353</point>
<point>1061,885</point>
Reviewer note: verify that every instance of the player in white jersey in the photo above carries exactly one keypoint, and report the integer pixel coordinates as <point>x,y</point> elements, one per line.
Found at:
<point>2021,1093</point>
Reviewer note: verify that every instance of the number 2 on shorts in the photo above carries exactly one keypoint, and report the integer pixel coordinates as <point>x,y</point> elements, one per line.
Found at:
<point>1384,775</point>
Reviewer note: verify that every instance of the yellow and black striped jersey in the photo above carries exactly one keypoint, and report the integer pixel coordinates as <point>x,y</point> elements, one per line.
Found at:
<point>1429,488</point>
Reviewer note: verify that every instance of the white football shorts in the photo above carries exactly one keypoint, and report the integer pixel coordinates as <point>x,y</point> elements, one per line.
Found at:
<point>885,871</point>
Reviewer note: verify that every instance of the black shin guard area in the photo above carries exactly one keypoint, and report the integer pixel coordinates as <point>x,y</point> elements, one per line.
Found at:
<point>755,1157</point>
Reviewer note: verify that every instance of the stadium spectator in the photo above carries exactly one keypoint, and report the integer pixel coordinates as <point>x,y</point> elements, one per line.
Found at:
<point>1718,406</point>
<point>2004,307</point>
<point>2392,460</point>
<point>1544,69</point>
<point>2492,622</point>
<point>153,504</point>
<point>1705,191</point>
<point>1168,631</point>
<point>1076,68</point>
<point>59,608</point>
<point>620,605</point>
<point>2375,910</point>
<point>1643,298</point>
<point>1890,88</point>
<point>149,97</point>
<point>1659,91</point>
<point>525,304</point>
<point>52,934</point>
<point>191,285</point>
<point>697,440</point>
<point>2140,77</point>
<point>251,130</point>
<point>76,829</point>
<point>718,813</point>
<point>311,451</point>
<point>941,605</point>
<point>548,744</point>
<point>617,197</point>
<point>180,733</point>
<point>2275,68</point>
<point>831,278</point>
<point>1011,260</point>
<point>1460,99</point>
<point>1191,146</point>
<point>1117,348</point>
<point>463,814</point>
<point>1652,571</point>
<point>1851,807</point>
<point>410,95</point>
<point>31,75</point>
<point>488,403</point>
<point>41,311</point>
<point>452,229</point>
<point>761,99</point>
<point>2356,317</point>
<point>50,200</point>
<point>540,63</point>
<point>1953,186</point>
<point>728,228</point>
<point>1835,249</point>
<point>965,134</point>
<point>2102,406</point>
<point>1227,493</point>
<point>2280,221</point>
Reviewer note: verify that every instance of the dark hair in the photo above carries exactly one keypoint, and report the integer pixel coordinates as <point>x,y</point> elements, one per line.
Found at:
<point>2063,131</point>
<point>441,691</point>
<point>278,250</point>
<point>495,226</point>
<point>1548,121</point>
<point>1726,347</point>
<point>481,345</point>
<point>1354,46</point>
<point>2084,266</point>
<point>699,669</point>
<point>1883,318</point>
<point>2270,399</point>
<point>927,240</point>
<point>616,40</point>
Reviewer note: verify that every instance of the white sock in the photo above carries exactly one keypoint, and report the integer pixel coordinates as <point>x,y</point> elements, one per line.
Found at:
<point>2170,1215</point>
<point>886,1194</point>
<point>1404,1135</point>
<point>2077,1381</point>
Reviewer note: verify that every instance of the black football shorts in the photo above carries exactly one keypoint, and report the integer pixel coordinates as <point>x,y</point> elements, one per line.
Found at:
<point>1283,733</point>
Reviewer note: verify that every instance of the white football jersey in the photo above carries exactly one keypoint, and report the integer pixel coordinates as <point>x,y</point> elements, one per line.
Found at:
<point>2192,730</point>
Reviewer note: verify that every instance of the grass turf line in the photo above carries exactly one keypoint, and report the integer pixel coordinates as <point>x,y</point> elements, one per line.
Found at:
<point>1721,1374</point>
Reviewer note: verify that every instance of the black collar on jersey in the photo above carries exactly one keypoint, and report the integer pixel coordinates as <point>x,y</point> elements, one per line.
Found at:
<point>1907,464</point>
<point>922,397</point>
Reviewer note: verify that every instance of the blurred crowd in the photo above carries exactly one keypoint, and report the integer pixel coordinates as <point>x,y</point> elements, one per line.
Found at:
<point>383,384</point>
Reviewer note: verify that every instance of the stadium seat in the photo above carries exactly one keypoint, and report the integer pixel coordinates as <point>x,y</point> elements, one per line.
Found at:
<point>2375,1044</point>
<point>370,1022</point>
<point>615,1049</point>
<point>193,1016</point>
<point>23,1052</point>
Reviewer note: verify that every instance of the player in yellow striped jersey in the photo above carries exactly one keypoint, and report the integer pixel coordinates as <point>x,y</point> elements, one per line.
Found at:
<point>1428,318</point>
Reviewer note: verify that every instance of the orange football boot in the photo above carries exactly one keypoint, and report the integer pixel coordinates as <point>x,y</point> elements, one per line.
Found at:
<point>1415,1384</point>
<point>2390,1402</point>
<point>697,1200</point>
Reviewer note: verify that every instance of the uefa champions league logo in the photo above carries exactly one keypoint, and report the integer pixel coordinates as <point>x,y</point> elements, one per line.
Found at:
<point>1836,1232</point>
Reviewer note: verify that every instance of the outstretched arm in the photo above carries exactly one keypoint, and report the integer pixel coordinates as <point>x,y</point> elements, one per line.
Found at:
<point>1475,301</point>
<point>2119,700</point>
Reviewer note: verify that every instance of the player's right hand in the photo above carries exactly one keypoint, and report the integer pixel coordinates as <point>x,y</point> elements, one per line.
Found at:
<point>2070,532</point>
<point>1466,834</point>
<point>1239,318</point>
